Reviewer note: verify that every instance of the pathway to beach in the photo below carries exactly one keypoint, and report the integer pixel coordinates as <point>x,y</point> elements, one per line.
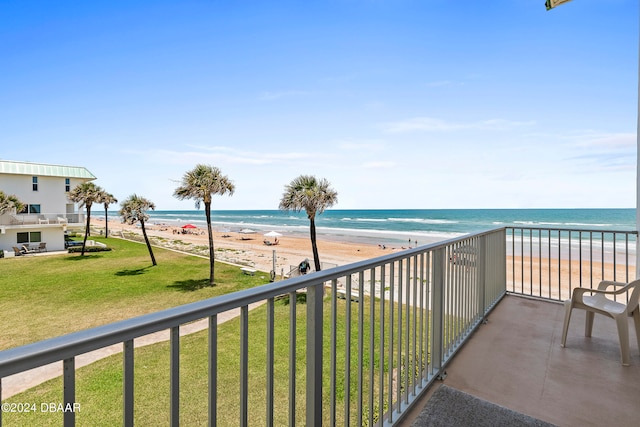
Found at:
<point>20,382</point>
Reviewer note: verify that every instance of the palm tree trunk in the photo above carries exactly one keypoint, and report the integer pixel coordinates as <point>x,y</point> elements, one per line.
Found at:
<point>146,239</point>
<point>314,246</point>
<point>207,211</point>
<point>106,223</point>
<point>86,230</point>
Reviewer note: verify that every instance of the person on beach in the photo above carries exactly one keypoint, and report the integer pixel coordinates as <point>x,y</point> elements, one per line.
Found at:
<point>304,266</point>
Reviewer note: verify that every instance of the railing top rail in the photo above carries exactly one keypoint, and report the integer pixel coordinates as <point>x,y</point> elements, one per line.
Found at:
<point>59,348</point>
<point>582,230</point>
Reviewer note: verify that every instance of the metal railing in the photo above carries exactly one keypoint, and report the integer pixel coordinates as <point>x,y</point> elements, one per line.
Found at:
<point>551,262</point>
<point>42,218</point>
<point>376,334</point>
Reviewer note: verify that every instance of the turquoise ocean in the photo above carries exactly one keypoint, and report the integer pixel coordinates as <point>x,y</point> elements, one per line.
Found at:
<point>398,226</point>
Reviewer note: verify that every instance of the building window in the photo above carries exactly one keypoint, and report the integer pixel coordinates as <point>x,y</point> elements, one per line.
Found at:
<point>34,183</point>
<point>30,209</point>
<point>67,185</point>
<point>29,237</point>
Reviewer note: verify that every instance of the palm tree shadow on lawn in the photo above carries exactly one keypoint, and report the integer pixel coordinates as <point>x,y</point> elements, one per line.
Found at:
<point>79,257</point>
<point>133,272</point>
<point>190,285</point>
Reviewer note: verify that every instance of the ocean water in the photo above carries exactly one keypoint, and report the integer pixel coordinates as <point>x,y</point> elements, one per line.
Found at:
<point>399,226</point>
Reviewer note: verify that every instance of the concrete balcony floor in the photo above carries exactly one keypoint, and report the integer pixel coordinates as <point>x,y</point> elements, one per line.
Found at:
<point>516,361</point>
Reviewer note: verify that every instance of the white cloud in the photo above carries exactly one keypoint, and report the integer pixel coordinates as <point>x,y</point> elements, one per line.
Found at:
<point>220,155</point>
<point>500,124</point>
<point>420,124</point>
<point>379,165</point>
<point>617,141</point>
<point>431,124</point>
<point>365,145</point>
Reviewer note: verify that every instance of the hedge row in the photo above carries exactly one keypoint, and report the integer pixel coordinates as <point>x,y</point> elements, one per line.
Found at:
<point>77,249</point>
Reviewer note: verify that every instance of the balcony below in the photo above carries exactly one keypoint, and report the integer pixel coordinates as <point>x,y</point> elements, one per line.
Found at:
<point>516,361</point>
<point>43,220</point>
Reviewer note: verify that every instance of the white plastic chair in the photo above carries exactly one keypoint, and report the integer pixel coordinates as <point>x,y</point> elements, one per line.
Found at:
<point>599,303</point>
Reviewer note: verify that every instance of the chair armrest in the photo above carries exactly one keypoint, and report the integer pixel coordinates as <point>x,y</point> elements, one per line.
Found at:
<point>624,287</point>
<point>603,285</point>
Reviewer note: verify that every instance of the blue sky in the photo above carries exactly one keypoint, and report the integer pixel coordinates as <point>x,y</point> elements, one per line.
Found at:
<point>398,103</point>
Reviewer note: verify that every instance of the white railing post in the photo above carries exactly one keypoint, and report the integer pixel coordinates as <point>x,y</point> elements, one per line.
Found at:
<point>481,262</point>
<point>314,355</point>
<point>69,390</point>
<point>437,346</point>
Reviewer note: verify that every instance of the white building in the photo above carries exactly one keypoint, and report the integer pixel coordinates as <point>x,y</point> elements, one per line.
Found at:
<point>44,190</point>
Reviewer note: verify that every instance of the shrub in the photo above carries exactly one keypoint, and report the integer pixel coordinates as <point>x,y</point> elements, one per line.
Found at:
<point>78,249</point>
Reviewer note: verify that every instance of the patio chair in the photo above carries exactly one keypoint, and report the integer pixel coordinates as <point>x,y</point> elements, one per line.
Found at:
<point>599,303</point>
<point>17,251</point>
<point>28,250</point>
<point>42,247</point>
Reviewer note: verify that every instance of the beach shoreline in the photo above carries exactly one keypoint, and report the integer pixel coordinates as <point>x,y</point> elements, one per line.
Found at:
<point>251,249</point>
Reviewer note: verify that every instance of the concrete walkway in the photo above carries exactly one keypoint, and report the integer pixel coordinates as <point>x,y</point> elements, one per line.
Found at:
<point>22,381</point>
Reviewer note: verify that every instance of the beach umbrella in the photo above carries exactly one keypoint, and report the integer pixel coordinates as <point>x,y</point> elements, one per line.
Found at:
<point>189,226</point>
<point>247,231</point>
<point>273,234</point>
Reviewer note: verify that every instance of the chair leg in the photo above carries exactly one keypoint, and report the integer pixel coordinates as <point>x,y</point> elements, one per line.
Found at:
<point>623,335</point>
<point>567,318</point>
<point>636,321</point>
<point>588,323</point>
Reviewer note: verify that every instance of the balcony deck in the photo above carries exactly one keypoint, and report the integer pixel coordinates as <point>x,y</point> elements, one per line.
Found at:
<point>516,361</point>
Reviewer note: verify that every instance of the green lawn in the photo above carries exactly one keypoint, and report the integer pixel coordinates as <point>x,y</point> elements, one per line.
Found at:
<point>99,386</point>
<point>47,296</point>
<point>73,293</point>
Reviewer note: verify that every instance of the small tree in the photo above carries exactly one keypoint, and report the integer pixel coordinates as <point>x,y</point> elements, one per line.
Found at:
<point>200,184</point>
<point>106,199</point>
<point>9,202</point>
<point>314,196</point>
<point>133,210</point>
<point>86,194</point>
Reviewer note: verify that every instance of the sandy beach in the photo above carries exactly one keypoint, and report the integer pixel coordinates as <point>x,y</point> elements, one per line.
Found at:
<point>250,249</point>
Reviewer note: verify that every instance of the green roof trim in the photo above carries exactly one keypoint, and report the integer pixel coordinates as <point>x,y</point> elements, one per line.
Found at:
<point>40,169</point>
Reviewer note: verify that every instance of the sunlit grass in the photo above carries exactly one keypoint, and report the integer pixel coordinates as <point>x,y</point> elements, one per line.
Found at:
<point>99,386</point>
<point>134,287</point>
<point>47,296</point>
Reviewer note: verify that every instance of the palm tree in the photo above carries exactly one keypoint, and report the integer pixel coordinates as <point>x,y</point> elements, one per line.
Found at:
<point>86,194</point>
<point>9,202</point>
<point>200,184</point>
<point>314,196</point>
<point>133,210</point>
<point>106,199</point>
